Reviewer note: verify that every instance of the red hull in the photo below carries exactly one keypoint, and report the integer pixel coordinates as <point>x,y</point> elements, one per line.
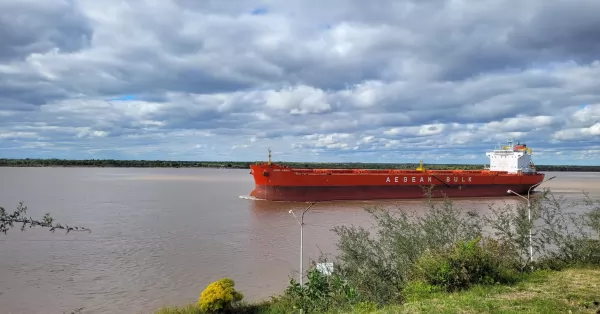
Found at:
<point>308,194</point>
<point>277,183</point>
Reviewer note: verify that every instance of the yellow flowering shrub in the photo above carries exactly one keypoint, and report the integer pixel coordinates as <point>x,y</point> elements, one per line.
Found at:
<point>219,295</point>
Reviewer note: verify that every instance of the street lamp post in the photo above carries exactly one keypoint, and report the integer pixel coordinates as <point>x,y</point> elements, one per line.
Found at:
<point>529,212</point>
<point>301,223</point>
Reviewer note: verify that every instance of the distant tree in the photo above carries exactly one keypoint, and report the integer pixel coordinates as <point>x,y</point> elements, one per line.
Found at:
<point>19,216</point>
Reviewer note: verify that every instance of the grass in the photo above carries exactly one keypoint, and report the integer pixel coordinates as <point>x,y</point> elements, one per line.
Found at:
<point>244,308</point>
<point>568,291</point>
<point>186,309</point>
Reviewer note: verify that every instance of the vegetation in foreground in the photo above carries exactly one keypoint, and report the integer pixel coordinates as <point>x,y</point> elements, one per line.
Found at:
<point>29,162</point>
<point>8,221</point>
<point>573,290</point>
<point>447,261</point>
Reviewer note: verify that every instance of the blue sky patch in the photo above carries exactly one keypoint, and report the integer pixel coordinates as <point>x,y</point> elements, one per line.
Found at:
<point>124,98</point>
<point>259,11</point>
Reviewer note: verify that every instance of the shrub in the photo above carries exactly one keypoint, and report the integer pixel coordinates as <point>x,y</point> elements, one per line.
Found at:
<point>575,251</point>
<point>321,293</point>
<point>468,263</point>
<point>219,296</point>
<point>566,238</point>
<point>379,266</point>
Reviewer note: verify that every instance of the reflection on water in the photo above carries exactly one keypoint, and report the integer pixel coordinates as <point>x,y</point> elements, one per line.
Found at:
<point>159,236</point>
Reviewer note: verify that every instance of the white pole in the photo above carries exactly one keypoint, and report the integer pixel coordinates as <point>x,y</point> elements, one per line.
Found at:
<point>301,223</point>
<point>301,249</point>
<point>529,213</point>
<point>530,227</point>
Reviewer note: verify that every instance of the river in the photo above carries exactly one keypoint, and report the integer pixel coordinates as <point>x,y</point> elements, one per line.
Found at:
<point>159,236</point>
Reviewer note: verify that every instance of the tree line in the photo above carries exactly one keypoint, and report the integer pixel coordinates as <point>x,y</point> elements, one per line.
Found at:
<point>30,162</point>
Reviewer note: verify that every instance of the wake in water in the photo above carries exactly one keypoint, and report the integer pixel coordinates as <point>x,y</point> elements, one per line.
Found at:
<point>252,198</point>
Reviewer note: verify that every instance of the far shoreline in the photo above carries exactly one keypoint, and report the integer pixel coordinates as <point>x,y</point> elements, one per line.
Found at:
<point>113,163</point>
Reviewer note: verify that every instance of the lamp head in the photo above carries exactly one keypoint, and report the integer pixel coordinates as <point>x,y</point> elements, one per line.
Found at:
<point>290,211</point>
<point>509,191</point>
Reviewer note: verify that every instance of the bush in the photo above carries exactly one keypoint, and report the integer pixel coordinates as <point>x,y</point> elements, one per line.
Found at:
<point>379,266</point>
<point>574,252</point>
<point>443,249</point>
<point>566,238</point>
<point>468,263</point>
<point>321,293</point>
<point>219,296</point>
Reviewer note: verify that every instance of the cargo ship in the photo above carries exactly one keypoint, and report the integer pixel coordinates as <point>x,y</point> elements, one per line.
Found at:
<point>511,168</point>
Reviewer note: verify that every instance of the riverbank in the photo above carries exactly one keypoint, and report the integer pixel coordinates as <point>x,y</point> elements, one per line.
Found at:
<point>443,260</point>
<point>109,163</point>
<point>573,290</point>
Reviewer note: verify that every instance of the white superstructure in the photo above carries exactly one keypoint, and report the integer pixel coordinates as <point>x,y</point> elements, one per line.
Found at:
<point>513,159</point>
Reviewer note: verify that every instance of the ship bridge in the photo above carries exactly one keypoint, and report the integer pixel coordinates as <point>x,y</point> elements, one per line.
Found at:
<point>512,159</point>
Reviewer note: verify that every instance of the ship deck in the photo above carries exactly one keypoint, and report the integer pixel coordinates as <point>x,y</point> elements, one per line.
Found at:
<point>300,171</point>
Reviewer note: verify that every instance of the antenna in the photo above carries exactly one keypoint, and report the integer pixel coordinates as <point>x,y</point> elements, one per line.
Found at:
<point>269,163</point>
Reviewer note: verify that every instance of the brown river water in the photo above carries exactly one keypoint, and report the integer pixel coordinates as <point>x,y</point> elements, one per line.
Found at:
<point>159,236</point>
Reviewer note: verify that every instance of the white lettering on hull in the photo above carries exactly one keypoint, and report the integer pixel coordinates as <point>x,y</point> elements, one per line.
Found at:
<point>428,179</point>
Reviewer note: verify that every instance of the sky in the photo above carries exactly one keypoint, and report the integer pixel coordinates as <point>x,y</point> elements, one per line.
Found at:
<point>332,81</point>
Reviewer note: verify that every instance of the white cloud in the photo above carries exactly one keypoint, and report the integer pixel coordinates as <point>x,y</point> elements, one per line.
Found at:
<point>589,133</point>
<point>298,101</point>
<point>589,114</point>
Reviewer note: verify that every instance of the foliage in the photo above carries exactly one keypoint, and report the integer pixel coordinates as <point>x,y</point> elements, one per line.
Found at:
<point>321,293</point>
<point>580,246</point>
<point>574,290</point>
<point>468,263</point>
<point>511,225</point>
<point>592,215</point>
<point>379,266</point>
<point>412,257</point>
<point>442,241</point>
<point>219,296</point>
<point>8,220</point>
<point>28,162</point>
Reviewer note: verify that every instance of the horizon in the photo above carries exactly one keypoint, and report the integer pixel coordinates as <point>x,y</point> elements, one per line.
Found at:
<point>288,161</point>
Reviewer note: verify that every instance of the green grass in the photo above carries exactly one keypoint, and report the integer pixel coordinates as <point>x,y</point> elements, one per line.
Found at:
<point>568,291</point>
<point>244,308</point>
<point>186,309</point>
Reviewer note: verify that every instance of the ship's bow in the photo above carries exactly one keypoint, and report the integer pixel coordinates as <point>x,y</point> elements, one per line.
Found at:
<point>260,175</point>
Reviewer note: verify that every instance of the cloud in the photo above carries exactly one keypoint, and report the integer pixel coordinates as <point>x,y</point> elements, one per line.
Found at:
<point>392,81</point>
<point>28,27</point>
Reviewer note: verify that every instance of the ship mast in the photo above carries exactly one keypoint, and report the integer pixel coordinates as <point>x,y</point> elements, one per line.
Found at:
<point>269,162</point>
<point>420,168</point>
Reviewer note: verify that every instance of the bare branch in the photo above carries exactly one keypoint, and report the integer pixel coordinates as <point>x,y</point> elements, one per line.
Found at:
<point>19,216</point>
